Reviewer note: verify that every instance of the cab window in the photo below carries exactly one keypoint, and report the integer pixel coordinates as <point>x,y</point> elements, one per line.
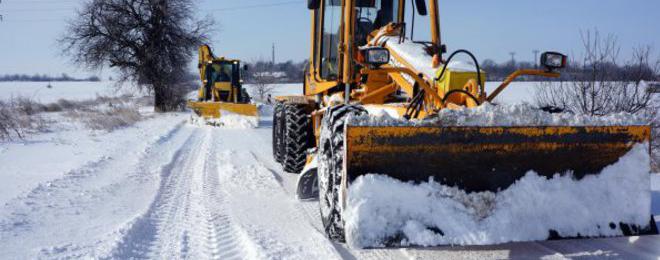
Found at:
<point>330,39</point>
<point>372,15</point>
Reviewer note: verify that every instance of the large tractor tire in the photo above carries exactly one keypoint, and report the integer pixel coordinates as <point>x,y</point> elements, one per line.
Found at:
<point>331,164</point>
<point>245,96</point>
<point>278,132</point>
<point>298,137</point>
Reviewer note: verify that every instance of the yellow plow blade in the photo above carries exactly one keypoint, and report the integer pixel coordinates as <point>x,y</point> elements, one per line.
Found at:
<point>485,158</point>
<point>215,109</point>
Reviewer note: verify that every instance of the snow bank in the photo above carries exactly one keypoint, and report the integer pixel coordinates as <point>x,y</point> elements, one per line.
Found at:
<point>227,120</point>
<point>501,115</point>
<point>380,208</point>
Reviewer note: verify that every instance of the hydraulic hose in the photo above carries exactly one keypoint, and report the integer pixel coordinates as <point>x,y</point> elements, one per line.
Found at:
<point>476,64</point>
<point>455,91</point>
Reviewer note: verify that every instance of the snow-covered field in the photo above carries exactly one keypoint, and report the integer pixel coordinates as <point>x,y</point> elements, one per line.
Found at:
<point>167,189</point>
<point>75,91</point>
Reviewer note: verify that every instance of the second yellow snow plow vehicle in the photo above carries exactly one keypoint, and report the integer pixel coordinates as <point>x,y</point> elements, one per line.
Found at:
<point>221,89</point>
<point>383,109</point>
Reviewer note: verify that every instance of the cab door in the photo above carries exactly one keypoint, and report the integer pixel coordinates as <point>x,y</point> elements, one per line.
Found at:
<point>326,38</point>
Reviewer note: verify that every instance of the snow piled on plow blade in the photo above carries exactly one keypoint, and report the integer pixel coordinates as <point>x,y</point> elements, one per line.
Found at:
<point>227,120</point>
<point>521,114</point>
<point>382,211</point>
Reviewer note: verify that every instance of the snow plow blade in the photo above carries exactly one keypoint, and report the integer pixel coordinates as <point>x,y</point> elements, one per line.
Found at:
<point>211,110</point>
<point>478,159</point>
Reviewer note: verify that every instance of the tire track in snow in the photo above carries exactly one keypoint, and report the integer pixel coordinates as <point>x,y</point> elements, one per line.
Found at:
<point>86,196</point>
<point>142,239</point>
<point>225,241</point>
<point>185,220</point>
<point>268,218</point>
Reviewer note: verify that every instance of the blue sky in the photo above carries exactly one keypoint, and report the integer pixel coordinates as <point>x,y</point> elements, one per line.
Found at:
<point>247,28</point>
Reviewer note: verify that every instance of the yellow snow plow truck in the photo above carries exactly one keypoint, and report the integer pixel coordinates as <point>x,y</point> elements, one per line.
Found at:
<point>378,102</point>
<point>221,89</point>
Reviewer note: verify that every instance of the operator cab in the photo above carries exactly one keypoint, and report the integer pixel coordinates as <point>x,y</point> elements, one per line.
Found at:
<point>224,76</point>
<point>371,15</point>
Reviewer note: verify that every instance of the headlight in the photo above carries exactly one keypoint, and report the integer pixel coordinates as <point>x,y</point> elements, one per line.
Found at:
<point>553,60</point>
<point>374,56</point>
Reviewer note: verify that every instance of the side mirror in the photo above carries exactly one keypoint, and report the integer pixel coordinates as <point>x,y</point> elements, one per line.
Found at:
<point>421,7</point>
<point>313,4</point>
<point>245,67</point>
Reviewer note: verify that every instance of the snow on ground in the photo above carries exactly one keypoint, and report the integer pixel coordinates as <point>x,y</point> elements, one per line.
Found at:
<point>227,120</point>
<point>516,92</point>
<point>655,188</point>
<point>380,208</point>
<point>164,188</point>
<point>75,91</point>
<point>161,189</point>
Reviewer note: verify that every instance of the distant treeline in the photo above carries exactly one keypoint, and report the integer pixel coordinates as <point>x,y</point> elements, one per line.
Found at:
<point>292,72</point>
<point>574,70</point>
<point>283,72</point>
<point>45,78</point>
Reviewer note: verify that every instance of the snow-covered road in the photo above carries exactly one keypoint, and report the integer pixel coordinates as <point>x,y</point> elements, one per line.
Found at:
<point>166,189</point>
<point>193,192</point>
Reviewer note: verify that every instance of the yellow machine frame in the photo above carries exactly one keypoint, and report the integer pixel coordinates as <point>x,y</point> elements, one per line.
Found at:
<point>388,79</point>
<point>212,108</point>
<point>474,158</point>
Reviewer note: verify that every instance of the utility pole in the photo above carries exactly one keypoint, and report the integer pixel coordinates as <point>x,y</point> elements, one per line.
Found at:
<point>513,58</point>
<point>536,58</point>
<point>273,61</point>
<point>0,14</point>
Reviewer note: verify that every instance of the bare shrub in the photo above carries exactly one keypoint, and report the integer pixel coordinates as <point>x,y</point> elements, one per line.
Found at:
<point>67,104</point>
<point>599,86</point>
<point>114,118</point>
<point>263,86</point>
<point>108,119</point>
<point>16,122</point>
<point>9,123</point>
<point>53,107</point>
<point>28,106</point>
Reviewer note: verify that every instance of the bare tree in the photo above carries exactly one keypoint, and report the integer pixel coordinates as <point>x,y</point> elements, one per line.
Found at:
<point>150,42</point>
<point>598,86</point>
<point>261,79</point>
<point>263,85</point>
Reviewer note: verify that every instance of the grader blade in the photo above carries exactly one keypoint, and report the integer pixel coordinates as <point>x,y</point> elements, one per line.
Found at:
<point>485,158</point>
<point>211,110</point>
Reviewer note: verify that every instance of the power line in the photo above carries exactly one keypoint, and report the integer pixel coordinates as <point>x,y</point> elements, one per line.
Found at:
<point>40,10</point>
<point>254,6</point>
<point>41,2</point>
<point>244,7</point>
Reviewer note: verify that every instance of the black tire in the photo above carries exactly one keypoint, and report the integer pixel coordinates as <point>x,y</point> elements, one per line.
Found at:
<point>278,131</point>
<point>331,163</point>
<point>245,96</point>
<point>298,137</point>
